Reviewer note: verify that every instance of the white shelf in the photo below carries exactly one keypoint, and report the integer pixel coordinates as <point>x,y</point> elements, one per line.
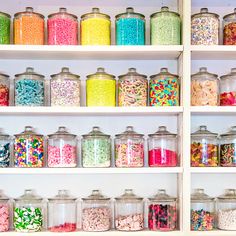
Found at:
<point>213,170</point>
<point>213,110</point>
<point>212,233</point>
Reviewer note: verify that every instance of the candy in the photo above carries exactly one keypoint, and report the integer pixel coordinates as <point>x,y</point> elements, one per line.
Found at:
<point>4,217</point>
<point>4,95</point>
<point>66,227</point>
<point>5,155</point>
<point>230,34</point>
<point>228,99</point>
<point>5,23</point>
<point>228,154</point>
<point>227,219</point>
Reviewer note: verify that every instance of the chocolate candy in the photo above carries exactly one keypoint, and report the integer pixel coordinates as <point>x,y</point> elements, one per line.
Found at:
<point>228,154</point>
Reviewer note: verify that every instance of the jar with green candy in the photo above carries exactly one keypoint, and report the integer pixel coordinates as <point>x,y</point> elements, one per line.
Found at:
<point>5,23</point>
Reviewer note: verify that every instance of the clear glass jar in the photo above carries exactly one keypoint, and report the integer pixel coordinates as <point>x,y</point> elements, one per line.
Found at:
<point>95,28</point>
<point>62,212</point>
<point>28,27</point>
<point>165,27</point>
<point>205,28</point>
<point>101,89</point>
<point>130,28</point>
<point>204,148</point>
<point>202,211</point>
<point>62,28</point>
<point>29,213</point>
<point>132,89</point>
<point>5,26</point>
<point>5,150</point>
<point>96,212</point>
<point>96,149</point>
<point>164,89</point>
<point>162,148</point>
<point>28,149</point>
<point>162,212</point>
<point>228,89</point>
<point>65,88</point>
<point>204,88</point>
<point>229,25</point>
<point>129,149</point>
<point>62,149</point>
<point>5,212</point>
<point>34,84</point>
<point>129,212</point>
<point>4,88</point>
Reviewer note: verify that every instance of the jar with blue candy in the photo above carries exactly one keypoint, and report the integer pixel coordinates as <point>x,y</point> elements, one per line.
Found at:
<point>5,150</point>
<point>29,88</point>
<point>130,28</point>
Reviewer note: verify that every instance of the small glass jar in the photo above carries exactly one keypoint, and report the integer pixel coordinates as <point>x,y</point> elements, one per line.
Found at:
<point>28,27</point>
<point>5,150</point>
<point>162,148</point>
<point>4,89</point>
<point>5,212</point>
<point>101,89</point>
<point>165,27</point>
<point>29,213</point>
<point>130,28</point>
<point>62,149</point>
<point>162,212</point>
<point>5,28</point>
<point>95,28</point>
<point>28,149</point>
<point>164,89</point>
<point>62,212</point>
<point>204,148</point>
<point>65,88</point>
<point>205,28</point>
<point>29,88</point>
<point>62,28</point>
<point>96,213</point>
<point>132,89</point>
<point>229,25</point>
<point>96,149</point>
<point>204,88</point>
<point>228,89</point>
<point>129,212</point>
<point>129,149</point>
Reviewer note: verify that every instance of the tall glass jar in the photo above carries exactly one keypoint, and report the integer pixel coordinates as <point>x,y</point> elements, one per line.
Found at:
<point>29,213</point>
<point>129,149</point>
<point>130,28</point>
<point>5,150</point>
<point>96,212</point>
<point>62,28</point>
<point>96,149</point>
<point>229,25</point>
<point>65,88</point>
<point>164,89</point>
<point>132,89</point>
<point>28,149</point>
<point>28,27</point>
<point>202,211</point>
<point>62,149</point>
<point>5,212</point>
<point>165,27</point>
<point>204,88</point>
<point>101,89</point>
<point>204,148</point>
<point>34,84</point>
<point>5,28</point>
<point>4,90</point>
<point>95,28</point>
<point>129,212</point>
<point>162,148</point>
<point>62,212</point>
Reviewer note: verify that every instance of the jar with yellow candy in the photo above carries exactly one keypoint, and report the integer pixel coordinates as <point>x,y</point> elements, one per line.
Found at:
<point>101,89</point>
<point>95,28</point>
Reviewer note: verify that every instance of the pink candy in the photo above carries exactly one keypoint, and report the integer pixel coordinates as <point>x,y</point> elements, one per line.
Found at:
<point>4,217</point>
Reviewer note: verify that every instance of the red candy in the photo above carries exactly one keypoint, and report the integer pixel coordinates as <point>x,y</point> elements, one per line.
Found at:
<point>4,95</point>
<point>67,227</point>
<point>228,99</point>
<point>230,34</point>
<point>4,217</point>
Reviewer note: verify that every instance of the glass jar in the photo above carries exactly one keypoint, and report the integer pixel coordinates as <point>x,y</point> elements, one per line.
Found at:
<point>62,149</point>
<point>129,212</point>
<point>29,213</point>
<point>130,28</point>
<point>96,212</point>
<point>62,28</point>
<point>5,28</point>
<point>28,27</point>
<point>95,28</point>
<point>132,89</point>
<point>65,88</point>
<point>204,88</point>
<point>96,149</point>
<point>4,89</point>
<point>205,28</point>
<point>5,212</point>
<point>5,150</point>
<point>162,212</point>
<point>162,148</point>
<point>165,27</point>
<point>164,89</point>
<point>28,149</point>
<point>228,89</point>
<point>101,89</point>
<point>129,149</point>
<point>229,25</point>
<point>62,212</point>
<point>204,148</point>
<point>34,84</point>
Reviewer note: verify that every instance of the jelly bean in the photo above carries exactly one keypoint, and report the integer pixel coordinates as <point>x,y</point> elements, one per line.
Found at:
<point>228,99</point>
<point>230,34</point>
<point>4,95</point>
<point>4,217</point>
<point>66,227</point>
<point>5,155</point>
<point>228,154</point>
<point>5,23</point>
<point>227,219</point>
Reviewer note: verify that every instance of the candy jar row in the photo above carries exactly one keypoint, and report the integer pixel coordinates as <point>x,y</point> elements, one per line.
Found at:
<point>95,28</point>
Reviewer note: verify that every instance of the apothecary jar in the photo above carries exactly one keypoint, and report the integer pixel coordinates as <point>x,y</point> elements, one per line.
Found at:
<point>5,212</point>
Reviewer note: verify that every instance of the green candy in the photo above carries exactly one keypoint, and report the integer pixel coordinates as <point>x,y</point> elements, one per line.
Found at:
<point>5,23</point>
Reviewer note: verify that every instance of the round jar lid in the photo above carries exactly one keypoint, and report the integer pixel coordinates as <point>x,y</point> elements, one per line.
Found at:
<point>4,136</point>
<point>29,72</point>
<point>162,132</point>
<point>65,72</point>
<point>28,132</point>
<point>3,75</point>
<point>101,74</point>
<point>162,196</point>
<point>164,9</point>
<point>200,196</point>
<point>3,197</point>
<point>230,15</point>
<point>96,133</point>
<point>5,14</point>
<point>204,74</point>
<point>164,73</point>
<point>232,132</point>
<point>27,11</point>
<point>130,13</point>
<point>61,133</point>
<point>129,133</point>
<point>29,196</point>
<point>95,13</point>
<point>229,195</point>
<point>204,12</point>
<point>96,196</point>
<point>63,195</point>
<point>204,132</point>
<point>132,73</point>
<point>231,75</point>
<point>128,196</point>
<point>62,11</point>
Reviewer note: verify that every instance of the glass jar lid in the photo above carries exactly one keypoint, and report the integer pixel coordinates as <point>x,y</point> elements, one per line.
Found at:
<point>65,72</point>
<point>229,195</point>
<point>95,13</point>
<point>232,74</point>
<point>204,12</point>
<point>203,132</point>
<point>162,196</point>
<point>62,11</point>
<point>232,132</point>
<point>28,132</point>
<point>96,196</point>
<point>230,15</point>
<point>128,196</point>
<point>132,73</point>
<point>200,196</point>
<point>204,74</point>
<point>164,73</point>
<point>29,10</point>
<point>101,74</point>
<point>3,197</point>
<point>5,14</point>
<point>29,196</point>
<point>129,133</point>
<point>130,13</point>
<point>3,76</point>
<point>164,9</point>
<point>96,133</point>
<point>29,72</point>
<point>162,132</point>
<point>63,195</point>
<point>4,136</point>
<point>61,133</point>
